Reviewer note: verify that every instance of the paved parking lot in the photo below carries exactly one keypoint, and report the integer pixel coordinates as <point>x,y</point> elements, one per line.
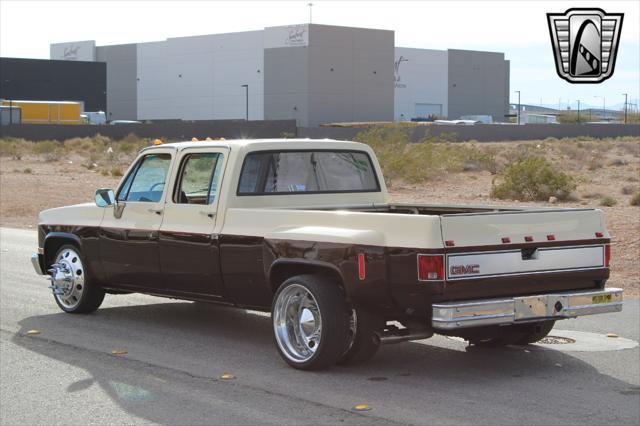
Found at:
<point>177,351</point>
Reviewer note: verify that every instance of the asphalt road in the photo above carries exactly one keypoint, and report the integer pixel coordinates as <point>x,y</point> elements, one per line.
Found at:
<point>177,351</point>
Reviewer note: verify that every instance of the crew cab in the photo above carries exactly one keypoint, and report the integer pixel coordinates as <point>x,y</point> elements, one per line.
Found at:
<point>305,229</point>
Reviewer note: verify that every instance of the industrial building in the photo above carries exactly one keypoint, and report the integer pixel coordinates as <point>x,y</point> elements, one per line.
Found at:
<point>54,80</point>
<point>311,73</point>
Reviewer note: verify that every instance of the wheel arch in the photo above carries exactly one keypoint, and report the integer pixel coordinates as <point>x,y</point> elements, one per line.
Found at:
<point>54,240</point>
<point>283,269</point>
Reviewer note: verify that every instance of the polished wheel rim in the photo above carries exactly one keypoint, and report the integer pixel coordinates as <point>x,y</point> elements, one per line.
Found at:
<point>68,278</point>
<point>297,323</point>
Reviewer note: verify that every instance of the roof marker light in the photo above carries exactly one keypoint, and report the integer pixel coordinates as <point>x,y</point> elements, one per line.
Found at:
<point>157,142</point>
<point>599,234</point>
<point>194,139</point>
<point>449,243</point>
<point>208,139</point>
<point>528,238</point>
<point>551,237</point>
<point>506,240</point>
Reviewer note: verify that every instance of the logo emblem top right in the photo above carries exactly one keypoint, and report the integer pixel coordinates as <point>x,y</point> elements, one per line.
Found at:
<point>585,42</point>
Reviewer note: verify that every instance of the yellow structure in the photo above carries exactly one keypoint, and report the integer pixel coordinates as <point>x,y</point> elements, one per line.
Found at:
<point>47,112</point>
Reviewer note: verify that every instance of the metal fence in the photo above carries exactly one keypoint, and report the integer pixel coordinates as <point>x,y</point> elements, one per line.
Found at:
<point>234,129</point>
<point>489,132</point>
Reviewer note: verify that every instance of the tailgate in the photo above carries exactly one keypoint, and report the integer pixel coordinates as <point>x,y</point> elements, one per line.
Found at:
<point>484,245</point>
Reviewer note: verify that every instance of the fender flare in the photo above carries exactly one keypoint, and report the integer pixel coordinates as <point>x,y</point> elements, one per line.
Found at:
<point>303,262</point>
<point>60,236</point>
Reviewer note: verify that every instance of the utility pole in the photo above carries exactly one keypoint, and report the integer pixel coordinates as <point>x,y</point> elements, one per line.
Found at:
<point>310,12</point>
<point>578,111</point>
<point>625,108</point>
<point>518,92</point>
<point>246,86</point>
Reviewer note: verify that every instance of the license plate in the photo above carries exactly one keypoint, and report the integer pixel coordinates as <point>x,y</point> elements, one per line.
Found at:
<point>603,298</point>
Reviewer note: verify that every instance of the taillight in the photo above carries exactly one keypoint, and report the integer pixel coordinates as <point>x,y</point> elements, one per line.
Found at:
<point>607,255</point>
<point>430,267</point>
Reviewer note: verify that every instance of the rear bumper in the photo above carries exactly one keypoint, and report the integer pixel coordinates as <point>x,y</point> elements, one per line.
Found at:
<point>513,310</point>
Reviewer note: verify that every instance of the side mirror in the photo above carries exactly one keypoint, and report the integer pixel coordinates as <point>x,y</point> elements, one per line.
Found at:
<point>105,197</point>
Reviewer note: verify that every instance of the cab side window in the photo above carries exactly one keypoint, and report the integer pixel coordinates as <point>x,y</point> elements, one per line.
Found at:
<point>198,180</point>
<point>146,182</point>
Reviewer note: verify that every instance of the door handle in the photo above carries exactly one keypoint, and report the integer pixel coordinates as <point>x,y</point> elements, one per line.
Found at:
<point>156,211</point>
<point>210,215</point>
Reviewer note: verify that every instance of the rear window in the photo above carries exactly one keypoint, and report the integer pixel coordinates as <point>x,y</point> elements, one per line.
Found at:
<point>292,172</point>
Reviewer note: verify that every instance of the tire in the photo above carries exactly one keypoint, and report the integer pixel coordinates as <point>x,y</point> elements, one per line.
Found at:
<point>362,344</point>
<point>536,332</point>
<point>85,296</point>
<point>522,334</point>
<point>310,322</point>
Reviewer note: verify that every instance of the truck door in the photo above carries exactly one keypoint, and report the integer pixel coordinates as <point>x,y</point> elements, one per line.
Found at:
<point>129,235</point>
<point>189,252</point>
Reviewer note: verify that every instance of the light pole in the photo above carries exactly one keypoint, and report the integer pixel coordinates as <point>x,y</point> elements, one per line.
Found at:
<point>625,108</point>
<point>310,9</point>
<point>578,111</point>
<point>518,92</point>
<point>246,86</point>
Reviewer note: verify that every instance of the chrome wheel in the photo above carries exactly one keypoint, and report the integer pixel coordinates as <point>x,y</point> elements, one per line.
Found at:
<point>67,278</point>
<point>297,323</point>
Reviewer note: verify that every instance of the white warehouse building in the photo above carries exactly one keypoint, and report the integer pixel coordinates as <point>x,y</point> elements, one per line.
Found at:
<point>311,73</point>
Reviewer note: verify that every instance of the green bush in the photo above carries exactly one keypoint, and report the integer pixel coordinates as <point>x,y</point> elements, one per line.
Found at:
<point>608,201</point>
<point>532,179</point>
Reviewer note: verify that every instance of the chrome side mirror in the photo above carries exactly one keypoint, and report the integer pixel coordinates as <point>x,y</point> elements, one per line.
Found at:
<point>105,197</point>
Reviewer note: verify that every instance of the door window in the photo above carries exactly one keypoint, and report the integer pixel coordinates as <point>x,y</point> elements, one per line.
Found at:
<point>199,176</point>
<point>146,182</point>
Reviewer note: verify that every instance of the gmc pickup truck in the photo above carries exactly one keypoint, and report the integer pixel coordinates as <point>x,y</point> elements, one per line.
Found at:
<point>305,229</point>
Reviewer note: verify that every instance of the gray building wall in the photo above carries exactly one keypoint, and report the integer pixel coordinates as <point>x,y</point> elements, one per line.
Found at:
<point>286,83</point>
<point>478,84</point>
<point>342,74</point>
<point>121,62</point>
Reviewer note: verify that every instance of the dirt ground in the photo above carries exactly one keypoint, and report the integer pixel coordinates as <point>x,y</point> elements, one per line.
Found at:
<point>32,184</point>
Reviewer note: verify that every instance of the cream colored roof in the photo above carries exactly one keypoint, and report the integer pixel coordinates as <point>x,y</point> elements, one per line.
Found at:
<point>272,143</point>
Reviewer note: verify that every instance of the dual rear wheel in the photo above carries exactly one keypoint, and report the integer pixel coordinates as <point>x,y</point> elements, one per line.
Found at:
<point>314,327</point>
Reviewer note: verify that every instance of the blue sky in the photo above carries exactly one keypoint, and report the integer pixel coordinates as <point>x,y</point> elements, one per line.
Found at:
<point>517,28</point>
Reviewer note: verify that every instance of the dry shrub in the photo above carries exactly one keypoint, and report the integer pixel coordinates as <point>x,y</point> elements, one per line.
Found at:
<point>15,148</point>
<point>532,178</point>
<point>429,159</point>
<point>608,201</point>
<point>628,190</point>
<point>635,200</point>
<point>48,150</point>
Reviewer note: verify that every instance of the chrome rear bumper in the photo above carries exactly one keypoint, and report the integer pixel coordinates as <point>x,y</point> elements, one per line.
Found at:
<point>512,310</point>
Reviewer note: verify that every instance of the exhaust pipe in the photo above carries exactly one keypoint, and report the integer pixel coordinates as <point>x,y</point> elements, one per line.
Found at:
<point>391,337</point>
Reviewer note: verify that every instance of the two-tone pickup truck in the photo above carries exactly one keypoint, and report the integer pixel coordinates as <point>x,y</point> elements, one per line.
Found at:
<point>305,229</point>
